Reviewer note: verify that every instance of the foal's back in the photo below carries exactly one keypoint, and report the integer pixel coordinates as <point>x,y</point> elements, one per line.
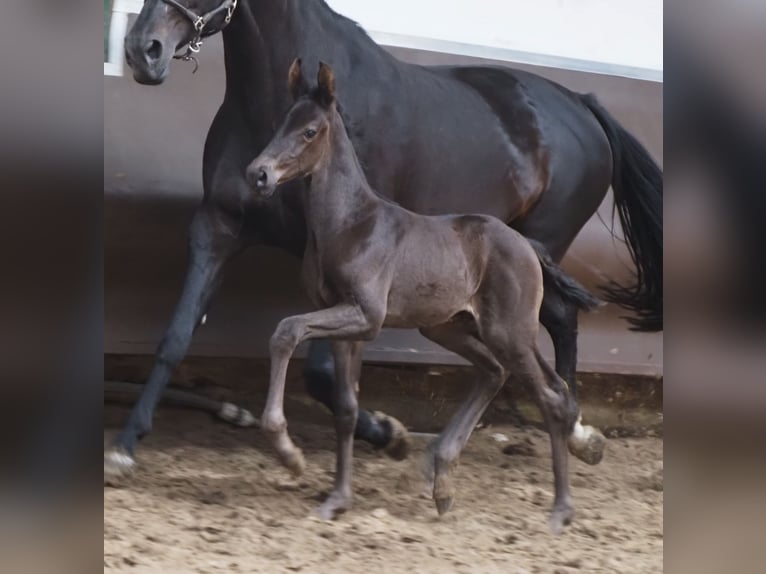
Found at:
<point>445,265</point>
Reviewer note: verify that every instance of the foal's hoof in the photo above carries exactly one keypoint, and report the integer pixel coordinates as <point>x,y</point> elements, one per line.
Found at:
<point>444,505</point>
<point>236,416</point>
<point>117,464</point>
<point>399,443</point>
<point>428,472</point>
<point>334,506</point>
<point>561,517</point>
<point>444,494</point>
<point>587,443</point>
<point>294,462</point>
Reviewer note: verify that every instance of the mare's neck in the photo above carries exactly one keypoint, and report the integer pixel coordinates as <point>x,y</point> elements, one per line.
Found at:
<point>251,59</point>
<point>339,195</point>
<point>263,39</point>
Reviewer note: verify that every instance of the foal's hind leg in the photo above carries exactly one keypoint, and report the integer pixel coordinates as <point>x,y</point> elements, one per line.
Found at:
<point>444,451</point>
<point>559,412</point>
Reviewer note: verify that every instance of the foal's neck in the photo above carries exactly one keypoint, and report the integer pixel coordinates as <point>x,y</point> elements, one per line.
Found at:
<point>339,194</point>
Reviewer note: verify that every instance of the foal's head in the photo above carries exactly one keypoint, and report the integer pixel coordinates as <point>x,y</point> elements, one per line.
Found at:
<point>303,138</point>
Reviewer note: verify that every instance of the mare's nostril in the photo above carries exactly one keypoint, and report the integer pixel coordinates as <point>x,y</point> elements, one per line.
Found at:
<point>154,50</point>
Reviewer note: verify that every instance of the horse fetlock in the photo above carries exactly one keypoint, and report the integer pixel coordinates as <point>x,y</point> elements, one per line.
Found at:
<point>338,502</point>
<point>273,424</point>
<point>561,516</point>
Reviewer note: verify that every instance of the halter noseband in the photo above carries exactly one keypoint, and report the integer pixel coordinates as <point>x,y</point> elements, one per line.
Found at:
<point>199,23</point>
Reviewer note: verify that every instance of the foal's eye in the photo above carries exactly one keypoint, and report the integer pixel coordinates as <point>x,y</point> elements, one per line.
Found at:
<point>309,134</point>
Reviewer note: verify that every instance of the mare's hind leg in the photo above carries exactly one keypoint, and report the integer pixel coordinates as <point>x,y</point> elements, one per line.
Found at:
<point>559,318</point>
<point>444,451</point>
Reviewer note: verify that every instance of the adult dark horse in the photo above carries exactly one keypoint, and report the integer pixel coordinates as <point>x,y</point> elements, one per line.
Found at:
<point>436,140</point>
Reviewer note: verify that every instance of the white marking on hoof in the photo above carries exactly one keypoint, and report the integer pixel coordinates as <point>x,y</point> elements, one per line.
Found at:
<point>117,464</point>
<point>235,415</point>
<point>580,433</point>
<point>587,443</point>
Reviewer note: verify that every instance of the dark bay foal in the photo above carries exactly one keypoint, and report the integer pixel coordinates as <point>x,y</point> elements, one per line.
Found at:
<point>468,282</point>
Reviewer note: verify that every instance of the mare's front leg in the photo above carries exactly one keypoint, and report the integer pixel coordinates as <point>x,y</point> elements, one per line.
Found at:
<point>210,246</point>
<point>348,362</point>
<point>339,322</point>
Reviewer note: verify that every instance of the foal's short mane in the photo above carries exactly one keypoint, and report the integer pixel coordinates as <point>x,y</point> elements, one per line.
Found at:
<point>344,120</point>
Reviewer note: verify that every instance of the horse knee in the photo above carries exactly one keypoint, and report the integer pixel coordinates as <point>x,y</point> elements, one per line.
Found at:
<point>346,411</point>
<point>285,337</point>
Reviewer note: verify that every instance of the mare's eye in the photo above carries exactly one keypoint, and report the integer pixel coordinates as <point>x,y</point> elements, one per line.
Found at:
<point>309,134</point>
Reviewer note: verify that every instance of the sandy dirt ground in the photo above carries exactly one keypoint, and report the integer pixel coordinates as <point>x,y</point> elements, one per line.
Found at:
<point>211,498</point>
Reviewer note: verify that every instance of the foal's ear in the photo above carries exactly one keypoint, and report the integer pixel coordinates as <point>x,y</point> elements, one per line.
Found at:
<point>296,83</point>
<point>326,85</point>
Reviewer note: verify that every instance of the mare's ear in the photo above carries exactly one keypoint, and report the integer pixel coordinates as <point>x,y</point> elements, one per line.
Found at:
<point>325,93</point>
<point>296,83</point>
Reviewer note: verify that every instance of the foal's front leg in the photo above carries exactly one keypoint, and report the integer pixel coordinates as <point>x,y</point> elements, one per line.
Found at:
<point>339,322</point>
<point>348,360</point>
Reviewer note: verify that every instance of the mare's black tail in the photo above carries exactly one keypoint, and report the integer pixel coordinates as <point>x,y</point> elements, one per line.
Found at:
<point>569,289</point>
<point>637,186</point>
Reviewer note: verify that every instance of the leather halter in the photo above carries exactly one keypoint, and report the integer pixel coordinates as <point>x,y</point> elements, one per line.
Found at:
<point>199,23</point>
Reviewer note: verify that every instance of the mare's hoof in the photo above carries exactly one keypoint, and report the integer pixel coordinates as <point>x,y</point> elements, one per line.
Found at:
<point>117,464</point>
<point>587,443</point>
<point>236,416</point>
<point>399,444</point>
<point>334,506</point>
<point>561,517</point>
<point>443,505</point>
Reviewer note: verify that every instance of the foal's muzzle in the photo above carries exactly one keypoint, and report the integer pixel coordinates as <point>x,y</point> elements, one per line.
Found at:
<point>261,179</point>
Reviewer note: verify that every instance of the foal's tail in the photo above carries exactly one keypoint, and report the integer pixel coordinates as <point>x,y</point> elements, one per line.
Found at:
<point>569,289</point>
<point>637,186</point>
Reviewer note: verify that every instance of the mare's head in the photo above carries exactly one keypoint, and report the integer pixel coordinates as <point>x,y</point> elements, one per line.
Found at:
<point>163,27</point>
<point>302,140</point>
